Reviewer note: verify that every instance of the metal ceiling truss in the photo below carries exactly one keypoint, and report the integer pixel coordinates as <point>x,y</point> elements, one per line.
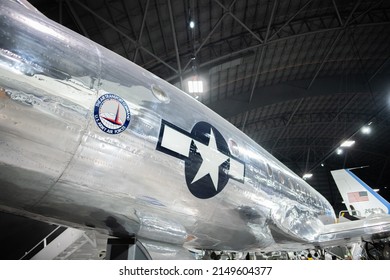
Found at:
<point>138,43</point>
<point>122,33</point>
<point>290,29</point>
<point>336,40</point>
<point>75,17</point>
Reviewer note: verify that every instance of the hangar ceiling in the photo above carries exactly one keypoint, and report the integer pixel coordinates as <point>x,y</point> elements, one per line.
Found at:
<point>298,76</point>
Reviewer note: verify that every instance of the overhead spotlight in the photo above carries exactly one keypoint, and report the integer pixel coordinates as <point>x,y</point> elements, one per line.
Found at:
<point>195,86</point>
<point>376,190</point>
<point>339,151</point>
<point>366,129</point>
<point>347,143</point>
<point>307,176</point>
<point>192,24</point>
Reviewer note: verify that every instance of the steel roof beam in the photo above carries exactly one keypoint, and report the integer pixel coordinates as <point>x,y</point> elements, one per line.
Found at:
<point>127,13</point>
<point>260,62</point>
<point>206,39</point>
<point>290,19</point>
<point>127,37</point>
<point>377,71</point>
<point>336,40</point>
<point>60,12</point>
<point>77,19</point>
<point>368,10</point>
<point>337,13</point>
<point>161,29</point>
<point>141,30</point>
<point>251,48</point>
<point>229,11</point>
<point>246,27</point>
<point>288,124</point>
<point>175,42</point>
<point>115,24</point>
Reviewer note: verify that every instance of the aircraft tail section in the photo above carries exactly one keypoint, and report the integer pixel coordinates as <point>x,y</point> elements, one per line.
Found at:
<point>359,198</point>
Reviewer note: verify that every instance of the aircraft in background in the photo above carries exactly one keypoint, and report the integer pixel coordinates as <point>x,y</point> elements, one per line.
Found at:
<point>92,141</point>
<point>363,203</point>
<point>360,200</point>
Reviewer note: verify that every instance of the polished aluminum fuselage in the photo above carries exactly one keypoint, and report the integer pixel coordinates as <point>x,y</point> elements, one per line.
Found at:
<point>56,164</point>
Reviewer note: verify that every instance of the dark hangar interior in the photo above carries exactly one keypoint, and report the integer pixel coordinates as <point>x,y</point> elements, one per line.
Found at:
<point>297,76</point>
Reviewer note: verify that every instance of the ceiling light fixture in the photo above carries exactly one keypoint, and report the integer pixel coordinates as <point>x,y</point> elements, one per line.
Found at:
<point>195,86</point>
<point>347,143</point>
<point>366,129</point>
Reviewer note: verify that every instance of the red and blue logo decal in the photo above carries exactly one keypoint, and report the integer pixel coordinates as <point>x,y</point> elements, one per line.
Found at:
<point>111,114</point>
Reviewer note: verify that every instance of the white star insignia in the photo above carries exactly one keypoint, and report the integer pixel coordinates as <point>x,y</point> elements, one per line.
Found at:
<point>177,143</point>
<point>212,160</point>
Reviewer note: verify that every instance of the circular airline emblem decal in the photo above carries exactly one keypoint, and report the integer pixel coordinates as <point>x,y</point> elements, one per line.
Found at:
<point>111,114</point>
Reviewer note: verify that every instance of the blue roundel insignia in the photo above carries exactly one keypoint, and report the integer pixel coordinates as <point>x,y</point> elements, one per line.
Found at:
<point>207,166</point>
<point>208,163</point>
<point>111,114</point>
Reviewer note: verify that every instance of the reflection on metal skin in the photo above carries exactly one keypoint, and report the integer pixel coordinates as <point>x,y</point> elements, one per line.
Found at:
<point>158,228</point>
<point>56,162</point>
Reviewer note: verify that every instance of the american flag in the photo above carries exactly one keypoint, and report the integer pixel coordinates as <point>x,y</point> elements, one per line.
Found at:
<point>357,196</point>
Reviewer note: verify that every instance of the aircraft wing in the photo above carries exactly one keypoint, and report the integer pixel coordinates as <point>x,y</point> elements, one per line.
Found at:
<point>368,229</point>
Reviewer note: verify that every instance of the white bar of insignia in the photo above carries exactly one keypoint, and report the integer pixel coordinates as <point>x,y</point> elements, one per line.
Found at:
<point>236,170</point>
<point>176,141</point>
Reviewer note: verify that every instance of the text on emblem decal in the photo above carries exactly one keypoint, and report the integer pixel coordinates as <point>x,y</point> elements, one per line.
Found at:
<point>111,114</point>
